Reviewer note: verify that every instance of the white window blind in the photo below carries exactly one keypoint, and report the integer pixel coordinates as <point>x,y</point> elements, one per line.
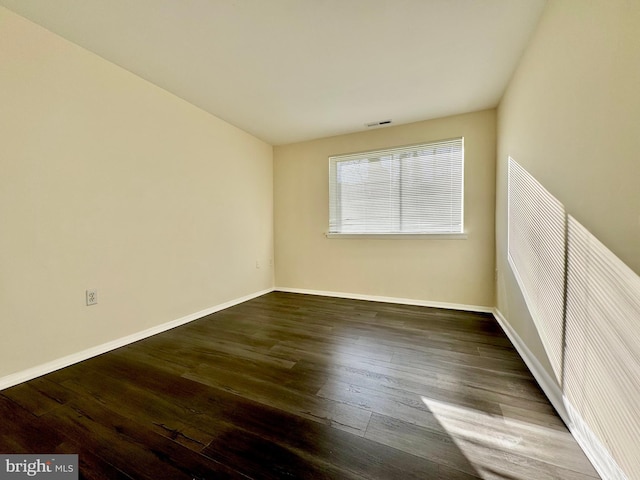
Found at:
<point>412,190</point>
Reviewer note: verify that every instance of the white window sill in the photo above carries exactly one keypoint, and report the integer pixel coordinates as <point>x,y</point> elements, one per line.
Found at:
<point>400,236</point>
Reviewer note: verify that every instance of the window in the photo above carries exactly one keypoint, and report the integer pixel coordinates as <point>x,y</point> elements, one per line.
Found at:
<point>406,190</point>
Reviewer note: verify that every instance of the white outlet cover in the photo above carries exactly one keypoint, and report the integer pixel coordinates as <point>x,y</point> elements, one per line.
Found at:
<point>92,296</point>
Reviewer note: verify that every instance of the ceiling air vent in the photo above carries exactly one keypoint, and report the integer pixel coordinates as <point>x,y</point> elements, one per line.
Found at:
<point>378,124</point>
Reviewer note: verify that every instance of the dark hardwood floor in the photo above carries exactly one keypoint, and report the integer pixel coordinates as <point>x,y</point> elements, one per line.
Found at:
<point>299,386</point>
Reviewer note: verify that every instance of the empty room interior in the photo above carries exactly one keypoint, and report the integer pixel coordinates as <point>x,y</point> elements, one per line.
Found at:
<point>320,239</point>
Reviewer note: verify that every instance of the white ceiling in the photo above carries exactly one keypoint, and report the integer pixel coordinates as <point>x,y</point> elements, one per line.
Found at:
<point>292,70</point>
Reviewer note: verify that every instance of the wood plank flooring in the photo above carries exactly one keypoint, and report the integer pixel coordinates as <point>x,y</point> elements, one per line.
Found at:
<point>299,386</point>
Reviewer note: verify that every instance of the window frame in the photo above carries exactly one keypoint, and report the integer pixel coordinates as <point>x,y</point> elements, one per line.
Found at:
<point>393,152</point>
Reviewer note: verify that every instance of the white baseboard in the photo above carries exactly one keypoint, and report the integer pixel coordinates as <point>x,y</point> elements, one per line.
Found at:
<point>34,372</point>
<point>545,380</point>
<point>377,298</point>
<point>597,453</point>
<point>599,456</point>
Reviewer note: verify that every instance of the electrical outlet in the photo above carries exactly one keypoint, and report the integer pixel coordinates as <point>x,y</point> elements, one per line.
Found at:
<point>257,264</point>
<point>92,296</point>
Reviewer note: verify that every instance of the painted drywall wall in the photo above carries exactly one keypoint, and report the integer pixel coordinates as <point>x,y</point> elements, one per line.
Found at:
<point>109,182</point>
<point>570,117</point>
<point>447,271</point>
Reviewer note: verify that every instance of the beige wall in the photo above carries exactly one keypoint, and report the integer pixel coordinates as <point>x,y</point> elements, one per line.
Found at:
<point>450,271</point>
<point>109,182</point>
<point>570,116</point>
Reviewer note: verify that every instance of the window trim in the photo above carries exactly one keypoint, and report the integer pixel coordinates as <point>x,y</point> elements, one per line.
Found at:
<point>400,236</point>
